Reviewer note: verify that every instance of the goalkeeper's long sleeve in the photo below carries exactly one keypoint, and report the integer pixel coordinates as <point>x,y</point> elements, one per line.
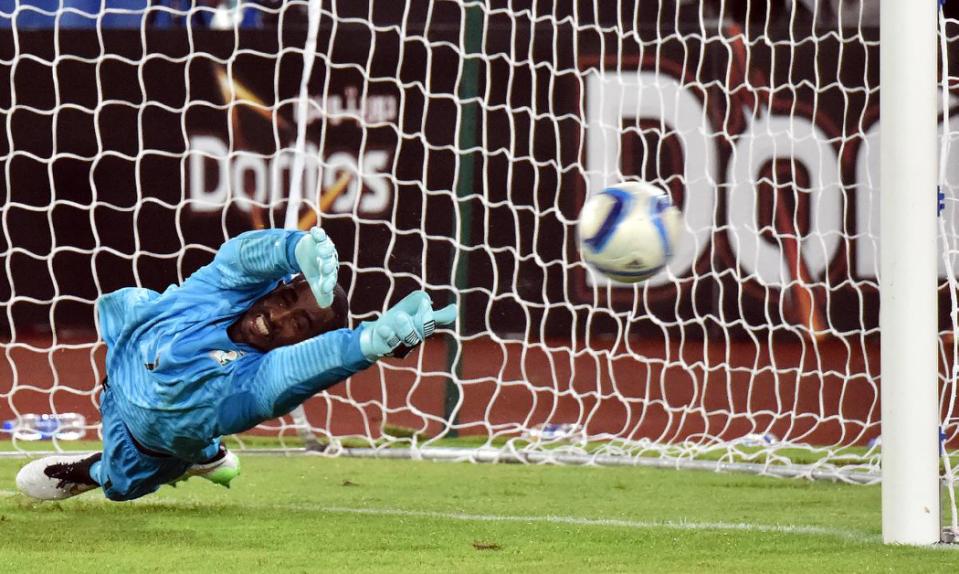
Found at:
<point>287,376</point>
<point>253,258</point>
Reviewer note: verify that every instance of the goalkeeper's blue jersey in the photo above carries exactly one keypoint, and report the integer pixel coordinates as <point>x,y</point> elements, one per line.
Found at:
<point>180,381</point>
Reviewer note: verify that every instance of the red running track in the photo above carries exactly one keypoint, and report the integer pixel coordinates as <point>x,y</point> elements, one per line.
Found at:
<point>819,393</point>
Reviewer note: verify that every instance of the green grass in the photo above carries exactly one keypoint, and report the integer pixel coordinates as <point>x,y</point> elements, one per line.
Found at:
<point>313,514</point>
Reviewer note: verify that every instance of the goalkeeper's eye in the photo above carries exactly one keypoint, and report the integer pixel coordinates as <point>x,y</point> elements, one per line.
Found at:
<point>288,297</point>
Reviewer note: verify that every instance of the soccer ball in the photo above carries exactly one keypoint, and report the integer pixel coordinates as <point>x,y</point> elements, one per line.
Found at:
<point>629,231</point>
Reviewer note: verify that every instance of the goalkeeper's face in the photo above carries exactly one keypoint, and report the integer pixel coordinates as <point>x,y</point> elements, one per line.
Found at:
<point>287,315</point>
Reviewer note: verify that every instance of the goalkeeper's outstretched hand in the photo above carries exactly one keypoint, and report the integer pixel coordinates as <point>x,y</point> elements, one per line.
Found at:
<point>319,263</point>
<point>404,326</point>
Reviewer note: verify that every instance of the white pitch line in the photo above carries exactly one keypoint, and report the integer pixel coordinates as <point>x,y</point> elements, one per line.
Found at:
<point>612,522</point>
<point>549,519</point>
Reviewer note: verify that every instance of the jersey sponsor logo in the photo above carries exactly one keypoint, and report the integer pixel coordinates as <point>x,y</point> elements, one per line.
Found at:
<point>225,357</point>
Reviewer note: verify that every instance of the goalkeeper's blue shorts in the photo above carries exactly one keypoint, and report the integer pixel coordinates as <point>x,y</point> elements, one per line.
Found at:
<point>127,470</point>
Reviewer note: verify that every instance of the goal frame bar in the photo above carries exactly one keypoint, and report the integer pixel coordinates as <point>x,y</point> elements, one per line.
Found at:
<point>908,274</point>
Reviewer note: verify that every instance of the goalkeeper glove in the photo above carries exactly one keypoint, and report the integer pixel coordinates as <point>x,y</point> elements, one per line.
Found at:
<point>404,326</point>
<point>319,263</point>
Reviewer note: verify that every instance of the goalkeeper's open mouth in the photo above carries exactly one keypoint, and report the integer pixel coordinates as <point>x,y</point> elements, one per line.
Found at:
<point>256,328</point>
<point>260,326</point>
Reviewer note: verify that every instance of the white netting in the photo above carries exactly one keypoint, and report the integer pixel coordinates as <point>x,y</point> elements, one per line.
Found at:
<point>449,146</point>
<point>949,288</point>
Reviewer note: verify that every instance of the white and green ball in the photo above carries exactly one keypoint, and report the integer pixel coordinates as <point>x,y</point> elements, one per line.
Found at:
<point>629,231</point>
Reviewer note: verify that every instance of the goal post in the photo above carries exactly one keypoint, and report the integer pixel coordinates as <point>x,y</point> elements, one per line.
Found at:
<point>908,281</point>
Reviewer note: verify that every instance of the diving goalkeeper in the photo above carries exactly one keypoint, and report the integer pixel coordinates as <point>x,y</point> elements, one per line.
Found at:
<point>243,340</point>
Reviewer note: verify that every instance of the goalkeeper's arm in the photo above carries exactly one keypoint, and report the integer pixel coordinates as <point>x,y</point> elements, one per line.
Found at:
<point>287,376</point>
<point>256,258</point>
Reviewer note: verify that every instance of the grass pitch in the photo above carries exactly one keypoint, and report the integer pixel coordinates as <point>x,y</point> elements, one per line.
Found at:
<point>313,514</point>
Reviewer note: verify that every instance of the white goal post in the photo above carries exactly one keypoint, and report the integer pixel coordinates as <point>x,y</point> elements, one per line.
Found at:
<point>448,145</point>
<point>909,309</point>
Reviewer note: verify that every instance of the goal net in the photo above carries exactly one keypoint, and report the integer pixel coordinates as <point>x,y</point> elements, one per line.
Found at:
<point>448,146</point>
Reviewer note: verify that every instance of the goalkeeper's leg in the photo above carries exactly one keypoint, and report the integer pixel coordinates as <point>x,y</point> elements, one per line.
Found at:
<point>58,477</point>
<point>221,469</point>
<point>125,470</point>
<point>64,476</point>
